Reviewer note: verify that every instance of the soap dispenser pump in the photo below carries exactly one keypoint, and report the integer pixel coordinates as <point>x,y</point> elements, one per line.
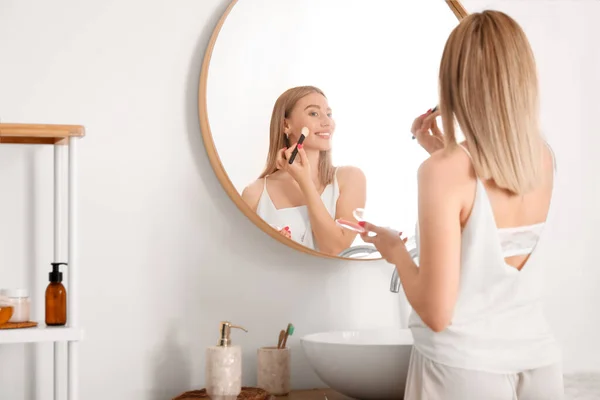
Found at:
<point>56,298</point>
<point>224,366</point>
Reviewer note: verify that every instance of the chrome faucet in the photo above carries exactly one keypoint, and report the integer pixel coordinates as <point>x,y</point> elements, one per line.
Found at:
<point>358,251</point>
<point>395,282</point>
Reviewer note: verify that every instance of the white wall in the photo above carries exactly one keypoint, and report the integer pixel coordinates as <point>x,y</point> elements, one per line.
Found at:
<point>165,255</point>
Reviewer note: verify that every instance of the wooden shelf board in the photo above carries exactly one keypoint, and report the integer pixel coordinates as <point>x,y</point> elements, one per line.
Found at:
<point>11,133</point>
<point>40,334</point>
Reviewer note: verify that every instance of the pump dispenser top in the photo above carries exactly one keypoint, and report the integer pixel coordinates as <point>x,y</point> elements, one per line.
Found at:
<point>56,276</point>
<point>224,366</point>
<point>225,333</point>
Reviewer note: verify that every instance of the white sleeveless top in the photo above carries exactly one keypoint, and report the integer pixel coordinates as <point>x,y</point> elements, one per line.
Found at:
<point>296,218</point>
<point>498,323</point>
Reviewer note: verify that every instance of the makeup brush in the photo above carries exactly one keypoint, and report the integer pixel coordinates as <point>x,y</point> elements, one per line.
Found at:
<point>303,135</point>
<point>434,109</point>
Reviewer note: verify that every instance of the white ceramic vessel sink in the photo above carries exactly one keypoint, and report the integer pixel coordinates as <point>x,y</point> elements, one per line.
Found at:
<point>365,365</point>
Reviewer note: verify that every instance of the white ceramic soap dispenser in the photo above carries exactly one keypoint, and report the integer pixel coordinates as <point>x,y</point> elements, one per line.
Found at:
<point>224,366</point>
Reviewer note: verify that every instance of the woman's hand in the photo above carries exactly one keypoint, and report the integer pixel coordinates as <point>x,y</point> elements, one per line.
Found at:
<point>427,132</point>
<point>286,232</point>
<point>299,169</point>
<point>388,242</point>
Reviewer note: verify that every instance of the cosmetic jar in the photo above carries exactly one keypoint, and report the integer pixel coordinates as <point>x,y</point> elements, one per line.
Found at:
<point>19,300</point>
<point>5,313</point>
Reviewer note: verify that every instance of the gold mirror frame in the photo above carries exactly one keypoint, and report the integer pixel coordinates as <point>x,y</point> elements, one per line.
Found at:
<point>455,6</point>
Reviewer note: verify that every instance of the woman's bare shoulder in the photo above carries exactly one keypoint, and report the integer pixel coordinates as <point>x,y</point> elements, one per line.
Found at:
<point>448,177</point>
<point>251,193</point>
<point>447,167</point>
<point>352,184</point>
<point>350,173</point>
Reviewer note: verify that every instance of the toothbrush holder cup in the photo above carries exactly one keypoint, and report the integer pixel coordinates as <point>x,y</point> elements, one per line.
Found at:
<point>273,369</point>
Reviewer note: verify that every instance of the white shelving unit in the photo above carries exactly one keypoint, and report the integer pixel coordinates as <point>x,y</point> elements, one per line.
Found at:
<point>59,136</point>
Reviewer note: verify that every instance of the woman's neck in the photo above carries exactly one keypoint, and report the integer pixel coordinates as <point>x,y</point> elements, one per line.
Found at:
<point>313,159</point>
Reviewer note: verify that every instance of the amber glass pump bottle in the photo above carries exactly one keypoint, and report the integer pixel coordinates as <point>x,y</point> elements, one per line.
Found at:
<point>56,298</point>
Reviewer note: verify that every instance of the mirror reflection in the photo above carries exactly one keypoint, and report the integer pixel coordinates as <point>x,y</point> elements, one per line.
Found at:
<point>310,105</point>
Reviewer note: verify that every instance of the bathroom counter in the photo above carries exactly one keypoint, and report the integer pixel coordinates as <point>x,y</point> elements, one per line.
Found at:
<point>314,394</point>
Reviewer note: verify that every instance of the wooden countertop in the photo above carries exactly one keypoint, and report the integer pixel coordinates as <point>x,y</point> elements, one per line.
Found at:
<point>314,394</point>
<point>310,394</point>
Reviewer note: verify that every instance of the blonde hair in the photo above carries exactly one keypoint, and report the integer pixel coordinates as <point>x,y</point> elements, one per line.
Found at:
<point>488,84</point>
<point>282,110</point>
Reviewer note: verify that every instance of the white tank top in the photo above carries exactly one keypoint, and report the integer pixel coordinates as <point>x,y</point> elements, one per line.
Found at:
<point>498,323</point>
<point>296,218</point>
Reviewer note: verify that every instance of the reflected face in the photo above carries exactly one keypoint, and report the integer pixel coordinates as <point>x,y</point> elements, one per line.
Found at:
<point>312,111</point>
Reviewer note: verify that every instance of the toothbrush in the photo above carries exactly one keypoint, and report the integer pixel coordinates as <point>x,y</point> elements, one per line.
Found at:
<point>288,332</point>
<point>305,133</point>
<point>281,337</point>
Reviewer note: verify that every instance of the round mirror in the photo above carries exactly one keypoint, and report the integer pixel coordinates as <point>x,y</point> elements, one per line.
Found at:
<point>345,79</point>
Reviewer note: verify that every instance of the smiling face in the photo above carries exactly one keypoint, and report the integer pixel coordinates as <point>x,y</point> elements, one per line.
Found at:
<point>312,111</point>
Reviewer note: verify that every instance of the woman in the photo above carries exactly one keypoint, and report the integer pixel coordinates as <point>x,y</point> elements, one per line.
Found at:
<point>477,322</point>
<point>306,197</point>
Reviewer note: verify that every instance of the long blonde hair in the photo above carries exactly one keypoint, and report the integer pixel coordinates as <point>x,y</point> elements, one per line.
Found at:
<point>282,110</point>
<point>488,84</point>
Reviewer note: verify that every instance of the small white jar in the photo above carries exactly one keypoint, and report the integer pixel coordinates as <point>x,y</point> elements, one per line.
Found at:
<point>19,299</point>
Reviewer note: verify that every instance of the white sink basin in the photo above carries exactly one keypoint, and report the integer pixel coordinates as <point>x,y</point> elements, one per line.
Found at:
<point>366,364</point>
